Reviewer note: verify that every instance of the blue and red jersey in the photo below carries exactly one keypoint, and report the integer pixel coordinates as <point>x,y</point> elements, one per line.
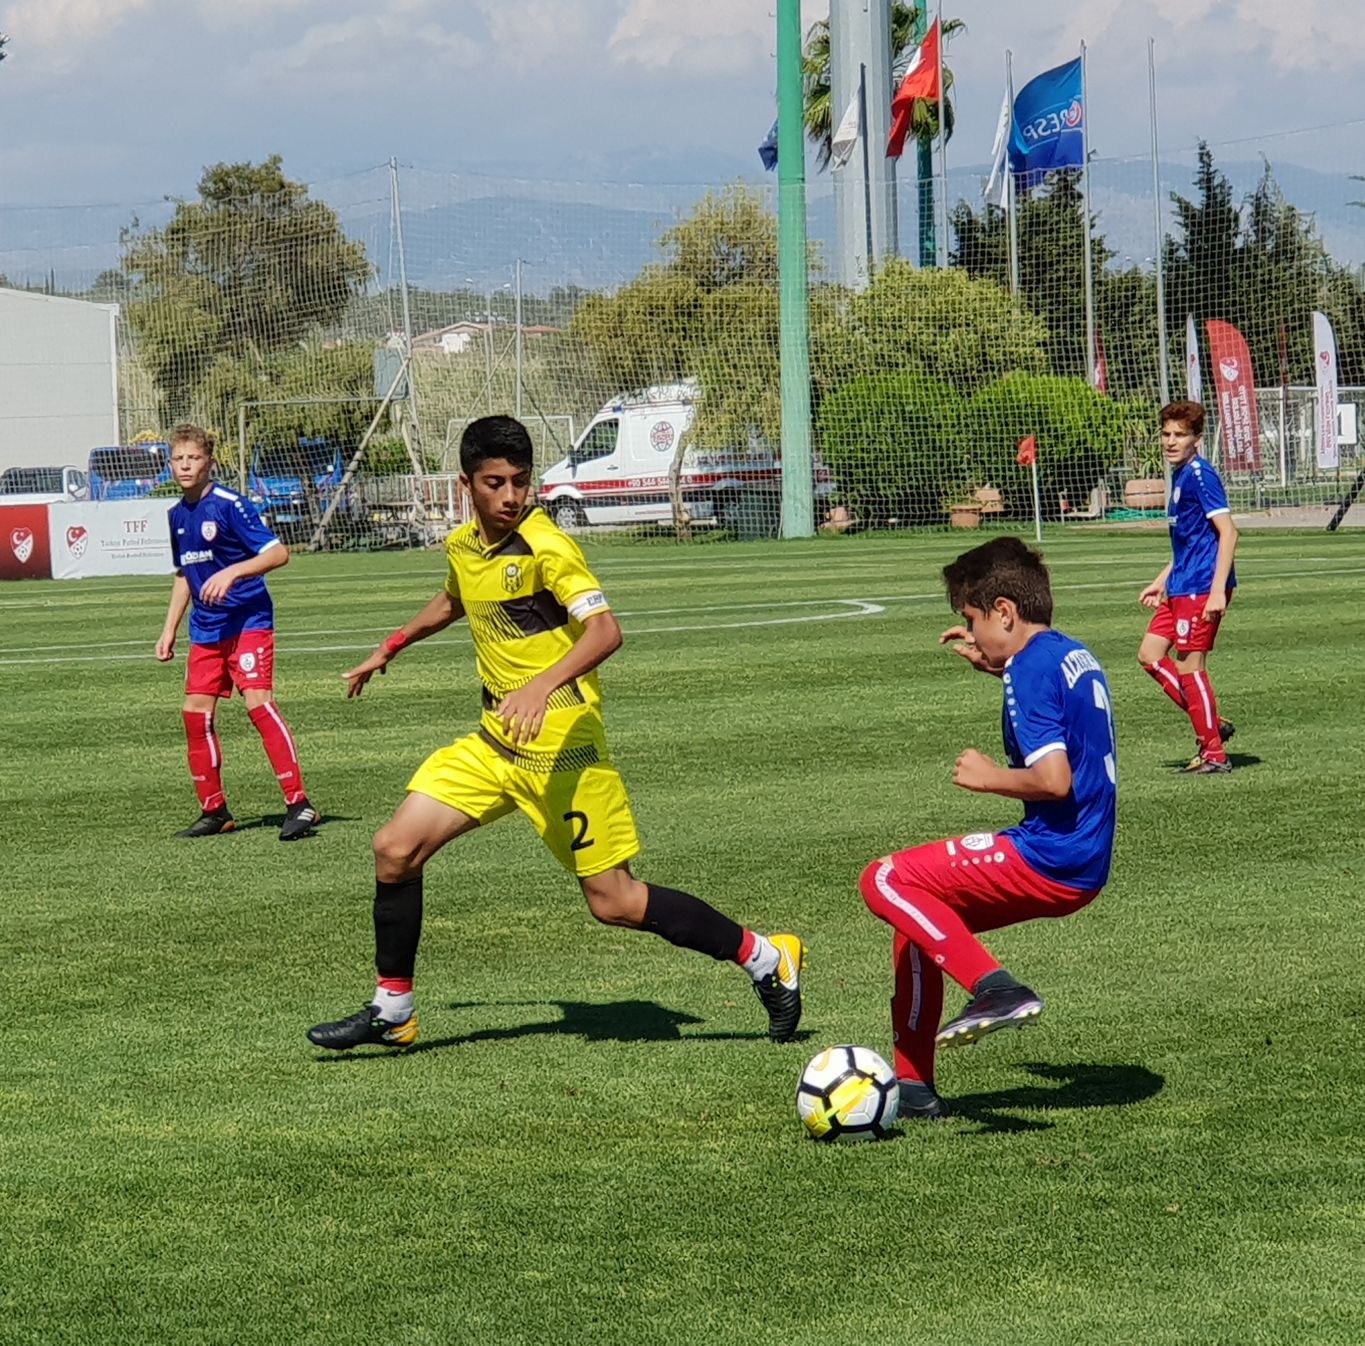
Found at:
<point>216,531</point>
<point>1057,700</point>
<point>1197,497</point>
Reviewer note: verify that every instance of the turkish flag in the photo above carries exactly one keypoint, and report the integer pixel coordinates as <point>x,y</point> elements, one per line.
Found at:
<point>1028,451</point>
<point>921,81</point>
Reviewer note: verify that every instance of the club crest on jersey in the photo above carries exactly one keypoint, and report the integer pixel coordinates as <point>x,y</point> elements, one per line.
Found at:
<point>979,841</point>
<point>512,576</point>
<point>208,530</point>
<point>1175,496</point>
<point>21,543</point>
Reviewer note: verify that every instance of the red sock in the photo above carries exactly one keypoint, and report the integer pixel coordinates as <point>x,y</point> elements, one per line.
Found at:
<point>1168,679</point>
<point>395,985</point>
<point>1203,708</point>
<point>916,1008</point>
<point>206,758</point>
<point>279,747</point>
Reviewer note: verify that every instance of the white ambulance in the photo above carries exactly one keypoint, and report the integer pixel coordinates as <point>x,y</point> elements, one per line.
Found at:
<point>618,471</point>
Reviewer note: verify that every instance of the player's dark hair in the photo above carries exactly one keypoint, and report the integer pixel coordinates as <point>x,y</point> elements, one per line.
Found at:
<point>1004,567</point>
<point>186,433</point>
<point>1188,414</point>
<point>494,437</point>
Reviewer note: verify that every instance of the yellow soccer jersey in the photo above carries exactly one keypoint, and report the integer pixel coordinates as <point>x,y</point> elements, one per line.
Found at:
<point>526,598</point>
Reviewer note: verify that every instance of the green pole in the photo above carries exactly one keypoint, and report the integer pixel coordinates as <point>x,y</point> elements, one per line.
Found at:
<point>793,309</point>
<point>924,163</point>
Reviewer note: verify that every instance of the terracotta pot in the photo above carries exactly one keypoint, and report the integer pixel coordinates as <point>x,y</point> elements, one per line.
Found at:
<point>965,516</point>
<point>1145,493</point>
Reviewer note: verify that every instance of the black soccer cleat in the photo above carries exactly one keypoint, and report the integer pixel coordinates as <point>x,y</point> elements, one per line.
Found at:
<point>780,991</point>
<point>919,1102</point>
<point>299,821</point>
<point>988,1011</point>
<point>1206,766</point>
<point>210,823</point>
<point>362,1027</point>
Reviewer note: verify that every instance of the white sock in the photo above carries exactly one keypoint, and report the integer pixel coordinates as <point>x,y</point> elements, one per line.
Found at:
<point>763,960</point>
<point>394,1007</point>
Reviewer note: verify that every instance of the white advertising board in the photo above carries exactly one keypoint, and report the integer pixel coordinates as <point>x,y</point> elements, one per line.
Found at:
<point>111,537</point>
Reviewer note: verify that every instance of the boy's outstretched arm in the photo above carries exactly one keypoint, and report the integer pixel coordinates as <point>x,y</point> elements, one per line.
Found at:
<point>436,616</point>
<point>1048,778</point>
<point>523,711</point>
<point>180,600</point>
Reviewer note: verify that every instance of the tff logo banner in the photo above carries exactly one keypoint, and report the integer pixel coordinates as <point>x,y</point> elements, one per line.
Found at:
<point>1049,121</point>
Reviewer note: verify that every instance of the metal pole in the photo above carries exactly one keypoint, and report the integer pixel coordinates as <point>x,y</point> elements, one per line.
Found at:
<point>1163,359</point>
<point>867,167</point>
<point>1085,192</point>
<point>924,165</point>
<point>518,273</point>
<point>942,256</point>
<point>1011,192</point>
<point>793,310</point>
<point>1037,502</point>
<point>241,447</point>
<point>403,282</point>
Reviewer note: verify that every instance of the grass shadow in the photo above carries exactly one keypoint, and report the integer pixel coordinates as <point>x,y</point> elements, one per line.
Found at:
<point>1079,1086</point>
<point>617,1021</point>
<point>276,820</point>
<point>1239,760</point>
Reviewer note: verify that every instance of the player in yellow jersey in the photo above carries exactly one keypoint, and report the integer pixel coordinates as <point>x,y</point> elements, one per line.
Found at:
<point>541,626</point>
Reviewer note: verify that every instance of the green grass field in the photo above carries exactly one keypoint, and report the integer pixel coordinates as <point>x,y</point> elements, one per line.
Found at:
<point>594,1142</point>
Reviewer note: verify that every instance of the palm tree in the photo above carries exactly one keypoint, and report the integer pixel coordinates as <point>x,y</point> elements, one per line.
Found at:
<point>815,74</point>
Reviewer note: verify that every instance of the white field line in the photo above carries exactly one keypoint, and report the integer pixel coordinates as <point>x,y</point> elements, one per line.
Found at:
<point>869,606</point>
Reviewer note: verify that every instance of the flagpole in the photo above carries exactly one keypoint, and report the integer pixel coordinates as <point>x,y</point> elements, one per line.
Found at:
<point>1037,502</point>
<point>942,257</point>
<point>867,166</point>
<point>1085,192</point>
<point>1163,359</point>
<point>1011,197</point>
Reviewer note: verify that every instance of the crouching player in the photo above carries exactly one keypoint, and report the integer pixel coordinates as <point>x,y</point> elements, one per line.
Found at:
<point>541,625</point>
<point>1059,740</point>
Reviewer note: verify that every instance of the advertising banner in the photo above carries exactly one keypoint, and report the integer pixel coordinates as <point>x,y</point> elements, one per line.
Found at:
<point>24,552</point>
<point>1236,397</point>
<point>1325,371</point>
<point>110,537</point>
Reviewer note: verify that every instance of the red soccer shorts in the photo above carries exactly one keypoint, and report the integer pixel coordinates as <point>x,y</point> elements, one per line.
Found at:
<point>1179,621</point>
<point>246,660</point>
<point>984,879</point>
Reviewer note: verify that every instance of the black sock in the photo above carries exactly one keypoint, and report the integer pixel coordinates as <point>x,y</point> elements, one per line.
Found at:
<point>999,980</point>
<point>397,926</point>
<point>690,923</point>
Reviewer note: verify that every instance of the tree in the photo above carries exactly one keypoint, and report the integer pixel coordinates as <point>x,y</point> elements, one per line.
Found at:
<point>247,271</point>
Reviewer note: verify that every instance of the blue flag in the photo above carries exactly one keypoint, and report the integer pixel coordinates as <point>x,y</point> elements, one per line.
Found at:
<point>767,151</point>
<point>1049,116</point>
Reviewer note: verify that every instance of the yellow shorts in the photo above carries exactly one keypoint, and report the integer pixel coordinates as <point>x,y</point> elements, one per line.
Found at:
<point>582,813</point>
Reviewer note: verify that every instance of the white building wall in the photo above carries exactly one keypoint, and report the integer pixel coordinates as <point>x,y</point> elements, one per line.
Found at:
<point>58,379</point>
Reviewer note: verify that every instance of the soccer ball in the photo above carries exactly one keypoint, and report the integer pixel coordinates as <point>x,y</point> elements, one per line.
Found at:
<point>847,1094</point>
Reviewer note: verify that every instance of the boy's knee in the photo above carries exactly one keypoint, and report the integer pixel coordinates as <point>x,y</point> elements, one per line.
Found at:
<point>392,850</point>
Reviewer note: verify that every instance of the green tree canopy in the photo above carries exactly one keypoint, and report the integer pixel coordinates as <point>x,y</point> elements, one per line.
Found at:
<point>245,272</point>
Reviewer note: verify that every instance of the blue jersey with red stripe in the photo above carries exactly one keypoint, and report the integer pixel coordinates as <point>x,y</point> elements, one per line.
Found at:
<point>1057,700</point>
<point>1197,498</point>
<point>210,534</point>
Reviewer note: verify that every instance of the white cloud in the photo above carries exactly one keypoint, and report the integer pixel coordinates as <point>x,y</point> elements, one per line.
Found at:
<point>369,50</point>
<point>541,32</point>
<point>705,37</point>
<point>56,30</point>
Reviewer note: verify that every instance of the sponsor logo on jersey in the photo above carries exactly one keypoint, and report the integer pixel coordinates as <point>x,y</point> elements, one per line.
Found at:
<point>208,530</point>
<point>21,543</point>
<point>194,558</point>
<point>979,841</point>
<point>512,576</point>
<point>76,538</point>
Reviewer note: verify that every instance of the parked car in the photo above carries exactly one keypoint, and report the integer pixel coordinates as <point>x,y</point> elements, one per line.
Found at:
<point>129,471</point>
<point>617,472</point>
<point>295,483</point>
<point>42,485</point>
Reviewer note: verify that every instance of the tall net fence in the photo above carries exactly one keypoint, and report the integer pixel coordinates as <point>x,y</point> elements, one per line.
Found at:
<point>339,337</point>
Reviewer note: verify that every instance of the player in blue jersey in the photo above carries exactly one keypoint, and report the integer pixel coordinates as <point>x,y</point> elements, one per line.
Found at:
<point>1059,743</point>
<point>222,552</point>
<point>1192,593</point>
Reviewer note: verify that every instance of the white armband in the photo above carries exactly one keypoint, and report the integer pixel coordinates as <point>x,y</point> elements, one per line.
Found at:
<point>586,604</point>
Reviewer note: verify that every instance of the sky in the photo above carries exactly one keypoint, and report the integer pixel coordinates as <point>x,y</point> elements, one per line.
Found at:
<point>125,101</point>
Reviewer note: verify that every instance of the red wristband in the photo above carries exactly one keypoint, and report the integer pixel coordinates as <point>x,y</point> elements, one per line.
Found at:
<point>395,642</point>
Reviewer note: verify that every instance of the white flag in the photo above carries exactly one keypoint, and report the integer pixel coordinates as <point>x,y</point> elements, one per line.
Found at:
<point>846,137</point>
<point>1325,381</point>
<point>997,190</point>
<point>1194,382</point>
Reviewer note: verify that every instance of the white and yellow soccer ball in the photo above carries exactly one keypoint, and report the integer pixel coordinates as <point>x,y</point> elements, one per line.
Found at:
<point>847,1094</point>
